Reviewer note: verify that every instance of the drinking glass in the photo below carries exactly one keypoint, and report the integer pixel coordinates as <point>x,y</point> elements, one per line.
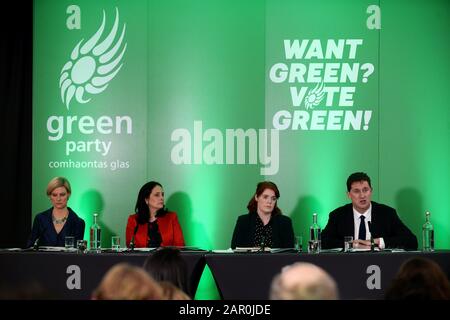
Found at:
<point>115,243</point>
<point>81,245</point>
<point>348,243</point>
<point>69,242</point>
<point>314,246</point>
<point>298,243</point>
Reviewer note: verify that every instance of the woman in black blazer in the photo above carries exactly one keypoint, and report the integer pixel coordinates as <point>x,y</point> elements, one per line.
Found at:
<point>51,226</point>
<point>264,225</point>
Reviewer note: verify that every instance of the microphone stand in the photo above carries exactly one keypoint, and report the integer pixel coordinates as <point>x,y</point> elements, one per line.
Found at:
<point>262,247</point>
<point>372,241</point>
<point>263,244</point>
<point>38,239</point>
<point>132,244</point>
<point>36,244</point>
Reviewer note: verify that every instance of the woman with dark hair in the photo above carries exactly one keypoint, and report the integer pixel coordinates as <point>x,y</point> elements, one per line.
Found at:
<point>419,279</point>
<point>264,225</point>
<point>153,225</point>
<point>166,264</point>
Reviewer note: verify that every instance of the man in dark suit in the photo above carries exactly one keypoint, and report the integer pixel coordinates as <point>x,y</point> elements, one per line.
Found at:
<point>366,220</point>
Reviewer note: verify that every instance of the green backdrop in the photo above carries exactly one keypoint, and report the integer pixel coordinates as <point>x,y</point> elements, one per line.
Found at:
<point>204,96</point>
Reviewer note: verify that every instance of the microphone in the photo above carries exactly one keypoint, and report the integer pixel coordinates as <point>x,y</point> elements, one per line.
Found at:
<point>372,242</point>
<point>263,243</point>
<point>38,239</point>
<point>132,244</point>
<point>36,244</point>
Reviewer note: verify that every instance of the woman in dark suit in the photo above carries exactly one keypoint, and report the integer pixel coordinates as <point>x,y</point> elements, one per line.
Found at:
<point>52,226</point>
<point>264,225</point>
<point>152,225</point>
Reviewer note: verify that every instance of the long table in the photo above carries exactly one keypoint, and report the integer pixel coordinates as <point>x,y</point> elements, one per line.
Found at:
<point>237,275</point>
<point>359,275</point>
<point>69,275</point>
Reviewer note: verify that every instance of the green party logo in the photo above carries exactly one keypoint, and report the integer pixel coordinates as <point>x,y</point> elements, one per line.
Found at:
<point>314,96</point>
<point>93,64</point>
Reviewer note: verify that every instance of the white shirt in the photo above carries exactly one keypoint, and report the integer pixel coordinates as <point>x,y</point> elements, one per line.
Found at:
<point>368,217</point>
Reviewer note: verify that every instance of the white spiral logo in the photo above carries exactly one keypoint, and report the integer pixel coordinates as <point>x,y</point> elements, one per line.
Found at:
<point>92,66</point>
<point>314,96</point>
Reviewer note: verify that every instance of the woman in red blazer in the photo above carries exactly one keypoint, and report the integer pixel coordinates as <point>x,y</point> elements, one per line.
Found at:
<point>152,225</point>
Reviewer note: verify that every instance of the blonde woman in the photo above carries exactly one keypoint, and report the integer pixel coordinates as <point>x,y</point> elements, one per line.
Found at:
<point>126,282</point>
<point>52,226</point>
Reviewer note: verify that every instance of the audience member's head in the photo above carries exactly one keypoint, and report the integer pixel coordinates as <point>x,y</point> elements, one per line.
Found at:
<point>303,281</point>
<point>127,282</point>
<point>32,290</point>
<point>419,279</point>
<point>171,292</point>
<point>166,264</point>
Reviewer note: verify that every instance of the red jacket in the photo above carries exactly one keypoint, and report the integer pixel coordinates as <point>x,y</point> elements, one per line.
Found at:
<point>168,226</point>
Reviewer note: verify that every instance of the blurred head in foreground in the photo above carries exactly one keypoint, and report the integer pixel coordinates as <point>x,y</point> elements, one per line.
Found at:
<point>303,281</point>
<point>127,282</point>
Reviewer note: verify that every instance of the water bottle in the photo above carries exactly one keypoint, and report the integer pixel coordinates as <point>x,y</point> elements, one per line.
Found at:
<point>314,236</point>
<point>95,235</point>
<point>428,234</point>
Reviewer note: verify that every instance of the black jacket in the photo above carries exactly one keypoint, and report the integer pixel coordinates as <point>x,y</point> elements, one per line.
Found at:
<point>244,231</point>
<point>385,224</point>
<point>44,230</point>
